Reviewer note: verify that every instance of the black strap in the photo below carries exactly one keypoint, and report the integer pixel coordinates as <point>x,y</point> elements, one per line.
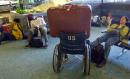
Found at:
<point>20,29</point>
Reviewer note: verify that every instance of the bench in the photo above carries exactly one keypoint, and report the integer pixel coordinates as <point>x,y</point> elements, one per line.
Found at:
<point>124,46</point>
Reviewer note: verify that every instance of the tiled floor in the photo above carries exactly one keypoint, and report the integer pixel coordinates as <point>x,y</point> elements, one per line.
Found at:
<point>19,62</point>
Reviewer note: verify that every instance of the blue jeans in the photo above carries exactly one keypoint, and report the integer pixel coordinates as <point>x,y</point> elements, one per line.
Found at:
<point>109,40</point>
<point>7,36</point>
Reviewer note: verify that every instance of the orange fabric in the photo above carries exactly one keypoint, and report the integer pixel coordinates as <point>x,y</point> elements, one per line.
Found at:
<point>6,27</point>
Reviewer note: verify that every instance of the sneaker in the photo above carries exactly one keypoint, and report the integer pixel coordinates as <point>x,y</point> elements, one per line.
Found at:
<point>103,63</point>
<point>45,46</point>
<point>27,45</point>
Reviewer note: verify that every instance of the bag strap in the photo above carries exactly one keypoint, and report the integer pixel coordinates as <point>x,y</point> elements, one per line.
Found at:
<point>68,7</point>
<point>38,33</point>
<point>20,28</point>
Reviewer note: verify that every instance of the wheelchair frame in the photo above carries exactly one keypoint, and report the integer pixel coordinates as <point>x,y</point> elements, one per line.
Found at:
<point>58,54</point>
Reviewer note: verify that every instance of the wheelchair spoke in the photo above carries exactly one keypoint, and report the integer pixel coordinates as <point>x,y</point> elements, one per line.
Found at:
<point>87,61</point>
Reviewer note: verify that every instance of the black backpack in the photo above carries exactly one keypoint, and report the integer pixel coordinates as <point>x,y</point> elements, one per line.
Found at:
<point>36,41</point>
<point>97,54</point>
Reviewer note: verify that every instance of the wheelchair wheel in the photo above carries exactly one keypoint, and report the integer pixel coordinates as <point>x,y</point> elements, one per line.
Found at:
<point>57,59</point>
<point>86,60</point>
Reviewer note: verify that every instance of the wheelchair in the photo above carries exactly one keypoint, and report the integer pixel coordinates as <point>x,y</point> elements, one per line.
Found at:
<point>73,44</point>
<point>71,24</point>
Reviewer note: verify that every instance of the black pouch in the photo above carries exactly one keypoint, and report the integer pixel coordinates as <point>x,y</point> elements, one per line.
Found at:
<point>36,43</point>
<point>97,54</point>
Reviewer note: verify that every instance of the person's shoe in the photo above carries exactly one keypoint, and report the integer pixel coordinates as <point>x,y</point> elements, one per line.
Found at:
<point>45,46</point>
<point>27,45</point>
<point>103,63</point>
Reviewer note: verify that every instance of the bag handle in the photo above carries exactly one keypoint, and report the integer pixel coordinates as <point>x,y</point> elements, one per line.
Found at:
<point>69,6</point>
<point>66,7</point>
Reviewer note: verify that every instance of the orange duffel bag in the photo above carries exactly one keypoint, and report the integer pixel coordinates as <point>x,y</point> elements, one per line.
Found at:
<point>69,18</point>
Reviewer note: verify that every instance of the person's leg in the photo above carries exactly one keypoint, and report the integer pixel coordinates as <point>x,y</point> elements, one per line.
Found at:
<point>111,41</point>
<point>99,40</point>
<point>44,34</point>
<point>0,37</point>
<point>9,36</point>
<point>29,37</point>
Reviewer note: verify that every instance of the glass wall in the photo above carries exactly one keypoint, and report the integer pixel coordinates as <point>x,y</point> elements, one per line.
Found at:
<point>116,0</point>
<point>99,1</point>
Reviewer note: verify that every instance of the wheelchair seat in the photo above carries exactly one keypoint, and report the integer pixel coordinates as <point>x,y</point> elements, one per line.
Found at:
<point>72,43</point>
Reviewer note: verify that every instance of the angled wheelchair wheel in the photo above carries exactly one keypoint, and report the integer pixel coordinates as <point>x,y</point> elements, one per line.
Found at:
<point>57,60</point>
<point>86,61</point>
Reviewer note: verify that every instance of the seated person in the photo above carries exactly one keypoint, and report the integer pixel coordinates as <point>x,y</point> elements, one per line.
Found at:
<point>37,22</point>
<point>5,32</point>
<point>103,21</point>
<point>109,19</point>
<point>96,20</point>
<point>17,30</point>
<point>126,40</point>
<point>114,34</point>
<point>11,32</point>
<point>1,31</point>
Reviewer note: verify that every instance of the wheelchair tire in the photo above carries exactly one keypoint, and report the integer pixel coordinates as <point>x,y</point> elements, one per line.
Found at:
<point>86,60</point>
<point>57,60</point>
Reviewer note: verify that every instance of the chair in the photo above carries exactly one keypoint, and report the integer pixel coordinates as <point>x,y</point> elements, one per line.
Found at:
<point>124,46</point>
<point>120,44</point>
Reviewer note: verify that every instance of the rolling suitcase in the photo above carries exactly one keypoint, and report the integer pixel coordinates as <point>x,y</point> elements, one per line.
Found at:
<point>69,18</point>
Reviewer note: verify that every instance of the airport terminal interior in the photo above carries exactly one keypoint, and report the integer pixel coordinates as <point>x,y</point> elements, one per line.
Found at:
<point>62,39</point>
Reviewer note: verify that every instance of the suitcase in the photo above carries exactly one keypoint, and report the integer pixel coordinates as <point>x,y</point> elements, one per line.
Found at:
<point>69,18</point>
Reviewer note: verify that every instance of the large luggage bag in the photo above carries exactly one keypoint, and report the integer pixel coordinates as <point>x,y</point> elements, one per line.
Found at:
<point>69,18</point>
<point>36,40</point>
<point>97,54</point>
